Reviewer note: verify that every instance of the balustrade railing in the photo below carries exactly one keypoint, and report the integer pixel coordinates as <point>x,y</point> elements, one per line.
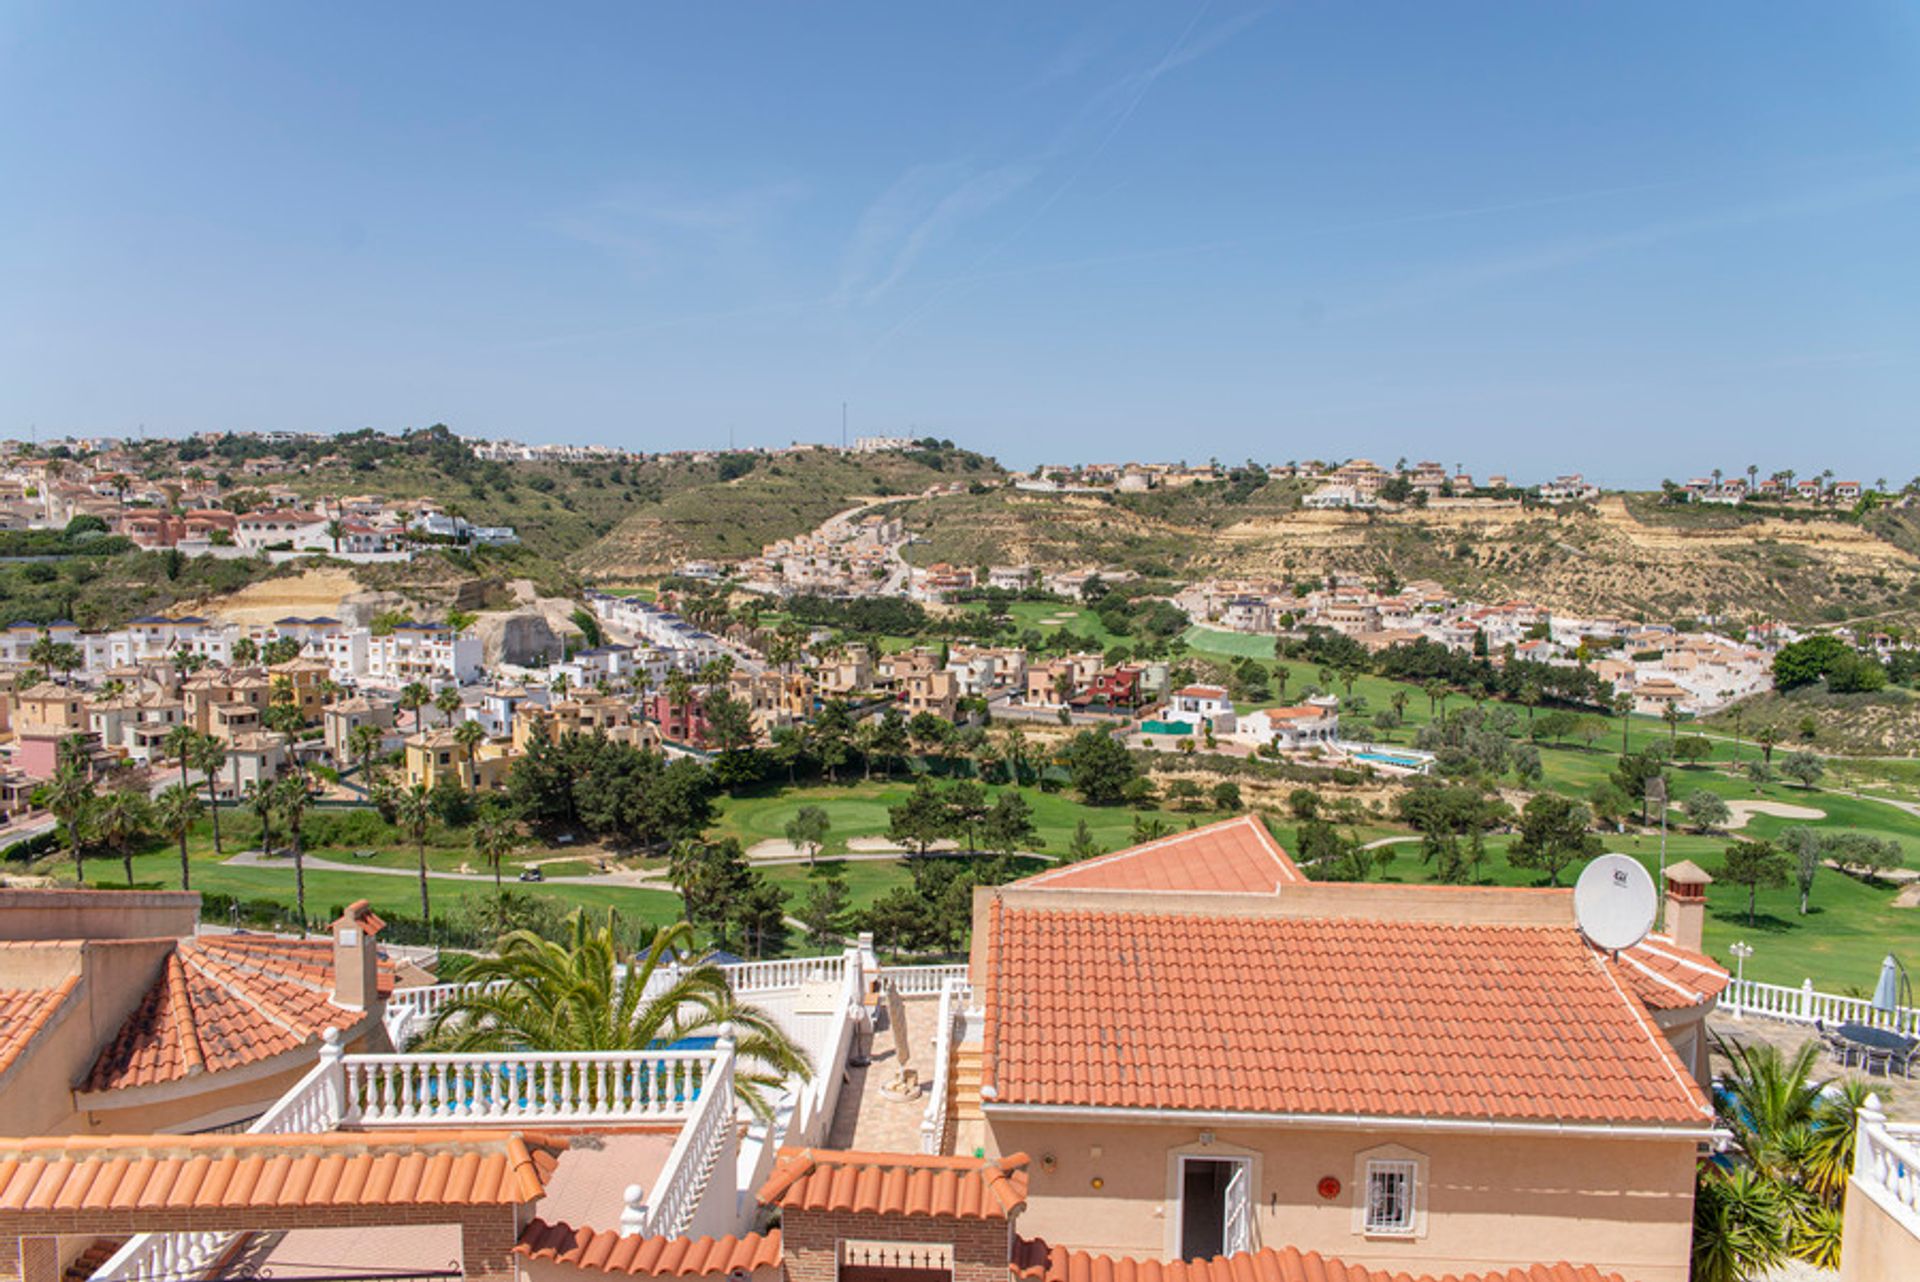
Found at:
<point>956,995</point>
<point>920,981</point>
<point>1886,1164</point>
<point>387,1090</point>
<point>697,1151</point>
<point>1807,1005</point>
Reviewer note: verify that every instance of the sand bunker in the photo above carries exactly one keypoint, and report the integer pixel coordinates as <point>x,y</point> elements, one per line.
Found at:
<point>1745,810</point>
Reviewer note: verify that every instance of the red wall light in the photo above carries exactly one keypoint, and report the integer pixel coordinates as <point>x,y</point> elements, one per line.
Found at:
<point>1329,1187</point>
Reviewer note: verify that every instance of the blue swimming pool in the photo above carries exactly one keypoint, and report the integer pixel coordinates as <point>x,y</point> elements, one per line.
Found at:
<point>1391,759</point>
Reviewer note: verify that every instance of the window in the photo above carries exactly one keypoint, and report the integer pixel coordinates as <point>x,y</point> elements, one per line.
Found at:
<point>1390,1189</point>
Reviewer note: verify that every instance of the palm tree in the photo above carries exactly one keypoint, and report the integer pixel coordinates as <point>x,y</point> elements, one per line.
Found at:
<point>363,742</point>
<point>174,811</point>
<point>179,746</point>
<point>1671,715</point>
<point>209,754</point>
<point>121,818</point>
<point>69,796</point>
<point>245,651</point>
<point>468,736</point>
<point>413,811</point>
<point>448,701</point>
<point>413,697</point>
<point>292,799</point>
<point>336,530</point>
<point>494,838</point>
<point>261,800</point>
<point>573,996</point>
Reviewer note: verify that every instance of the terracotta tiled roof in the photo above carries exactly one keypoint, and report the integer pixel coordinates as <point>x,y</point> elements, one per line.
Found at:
<point>1236,856</point>
<point>1666,976</point>
<point>1035,1261</point>
<point>809,1179</point>
<point>24,1012</point>
<point>222,1001</point>
<point>678,1257</point>
<point>392,1168</point>
<point>1297,1015</point>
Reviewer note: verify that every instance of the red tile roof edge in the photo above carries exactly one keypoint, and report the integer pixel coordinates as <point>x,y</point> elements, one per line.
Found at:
<point>1034,1261</point>
<point>911,1184</point>
<point>680,1257</point>
<point>1287,872</point>
<point>18,1039</point>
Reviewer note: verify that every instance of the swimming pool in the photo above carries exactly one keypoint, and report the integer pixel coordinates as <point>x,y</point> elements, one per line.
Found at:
<point>1388,758</point>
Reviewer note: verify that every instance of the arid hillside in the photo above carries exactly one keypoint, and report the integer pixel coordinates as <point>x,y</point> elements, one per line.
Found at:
<point>1610,557</point>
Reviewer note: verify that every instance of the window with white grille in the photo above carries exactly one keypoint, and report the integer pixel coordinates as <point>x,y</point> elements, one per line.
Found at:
<point>1390,1196</point>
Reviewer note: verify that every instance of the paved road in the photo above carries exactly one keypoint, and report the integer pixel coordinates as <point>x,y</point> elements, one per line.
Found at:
<point>651,880</point>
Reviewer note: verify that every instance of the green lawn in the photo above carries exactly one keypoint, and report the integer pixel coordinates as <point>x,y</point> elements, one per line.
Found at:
<point>860,810</point>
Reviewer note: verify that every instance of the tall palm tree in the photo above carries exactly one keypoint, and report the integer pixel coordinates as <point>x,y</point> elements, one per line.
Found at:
<point>413,811</point>
<point>178,746</point>
<point>69,796</point>
<point>363,743</point>
<point>209,755</point>
<point>262,800</point>
<point>468,736</point>
<point>245,651</point>
<point>174,811</point>
<point>291,798</point>
<point>121,818</point>
<point>448,701</point>
<point>572,996</point>
<point>494,838</point>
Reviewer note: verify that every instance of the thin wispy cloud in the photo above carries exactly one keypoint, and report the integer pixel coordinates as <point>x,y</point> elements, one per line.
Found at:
<point>926,207</point>
<point>645,229</point>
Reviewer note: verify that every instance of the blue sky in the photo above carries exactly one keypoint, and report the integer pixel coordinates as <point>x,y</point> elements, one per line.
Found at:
<point>1632,239</point>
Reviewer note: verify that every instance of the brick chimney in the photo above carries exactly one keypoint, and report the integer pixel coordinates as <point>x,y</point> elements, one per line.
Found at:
<point>1687,884</point>
<point>356,958</point>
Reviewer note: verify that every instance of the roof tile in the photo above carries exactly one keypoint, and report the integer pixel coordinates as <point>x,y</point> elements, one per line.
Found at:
<point>657,1256</point>
<point>1298,1015</point>
<point>151,1172</point>
<point>1236,855</point>
<point>907,1184</point>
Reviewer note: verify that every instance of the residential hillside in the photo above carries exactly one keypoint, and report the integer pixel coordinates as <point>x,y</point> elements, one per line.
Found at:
<point>714,517</point>
<point>1637,557</point>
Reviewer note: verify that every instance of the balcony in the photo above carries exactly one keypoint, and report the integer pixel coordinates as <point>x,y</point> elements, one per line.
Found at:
<point>1882,1234</point>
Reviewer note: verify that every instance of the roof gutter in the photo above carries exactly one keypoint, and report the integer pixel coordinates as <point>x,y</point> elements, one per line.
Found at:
<point>1352,1122</point>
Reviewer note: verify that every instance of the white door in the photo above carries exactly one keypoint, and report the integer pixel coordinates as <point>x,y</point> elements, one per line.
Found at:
<point>1239,1209</point>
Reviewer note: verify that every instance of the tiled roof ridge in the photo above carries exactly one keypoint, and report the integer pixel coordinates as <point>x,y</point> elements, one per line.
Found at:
<point>609,1252</point>
<point>989,1005</point>
<point>1664,946</point>
<point>1289,873</point>
<point>897,1183</point>
<point>1033,1260</point>
<point>1662,1048</point>
<point>261,999</point>
<point>180,1010</point>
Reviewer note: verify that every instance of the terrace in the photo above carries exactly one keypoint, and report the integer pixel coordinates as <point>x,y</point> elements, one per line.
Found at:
<point>646,1142</point>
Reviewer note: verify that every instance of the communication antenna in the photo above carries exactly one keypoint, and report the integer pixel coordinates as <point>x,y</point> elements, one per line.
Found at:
<point>1614,902</point>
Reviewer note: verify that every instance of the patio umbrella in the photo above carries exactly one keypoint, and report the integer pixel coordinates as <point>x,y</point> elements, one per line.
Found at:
<point>1892,986</point>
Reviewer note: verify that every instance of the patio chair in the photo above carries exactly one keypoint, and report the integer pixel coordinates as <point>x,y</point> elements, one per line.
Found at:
<point>1878,1060</point>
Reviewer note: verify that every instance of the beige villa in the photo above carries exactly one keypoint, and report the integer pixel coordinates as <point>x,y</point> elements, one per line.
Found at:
<point>1205,1053</point>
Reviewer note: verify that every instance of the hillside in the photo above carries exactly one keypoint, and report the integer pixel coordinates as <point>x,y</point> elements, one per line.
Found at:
<point>1886,722</point>
<point>1631,558</point>
<point>708,517</point>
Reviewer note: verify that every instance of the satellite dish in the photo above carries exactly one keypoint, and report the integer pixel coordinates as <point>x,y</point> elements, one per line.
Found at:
<point>1614,902</point>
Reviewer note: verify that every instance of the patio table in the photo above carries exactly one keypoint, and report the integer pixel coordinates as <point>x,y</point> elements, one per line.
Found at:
<point>1879,1044</point>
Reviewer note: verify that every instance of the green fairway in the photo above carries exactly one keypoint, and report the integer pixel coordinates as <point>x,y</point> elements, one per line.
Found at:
<point>860,810</point>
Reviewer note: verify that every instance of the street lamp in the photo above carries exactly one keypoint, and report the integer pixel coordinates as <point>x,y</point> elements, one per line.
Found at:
<point>1741,950</point>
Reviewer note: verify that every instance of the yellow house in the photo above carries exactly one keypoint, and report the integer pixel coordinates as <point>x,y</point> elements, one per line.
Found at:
<point>433,755</point>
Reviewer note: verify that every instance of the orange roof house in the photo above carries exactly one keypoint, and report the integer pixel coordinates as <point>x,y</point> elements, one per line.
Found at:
<point>125,1021</point>
<point>1210,1052</point>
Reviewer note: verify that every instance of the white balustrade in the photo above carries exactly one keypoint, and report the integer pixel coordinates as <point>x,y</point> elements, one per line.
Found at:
<point>707,1135</point>
<point>785,972</point>
<point>920,981</point>
<point>1886,1164</point>
<point>1807,1005</point>
<point>406,1090</point>
<point>956,995</point>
